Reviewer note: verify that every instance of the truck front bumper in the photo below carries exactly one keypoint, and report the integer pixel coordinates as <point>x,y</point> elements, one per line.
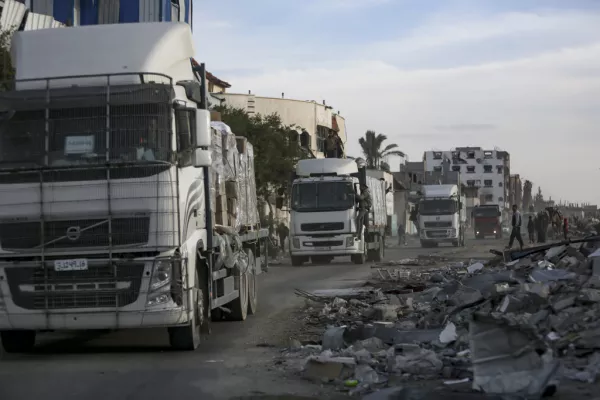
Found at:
<point>439,235</point>
<point>136,295</point>
<point>338,245</point>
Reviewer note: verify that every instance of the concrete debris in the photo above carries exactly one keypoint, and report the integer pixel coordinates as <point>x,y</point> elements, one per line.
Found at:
<point>504,327</point>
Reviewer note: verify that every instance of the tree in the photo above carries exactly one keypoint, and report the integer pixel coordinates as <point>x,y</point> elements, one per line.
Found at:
<point>371,145</point>
<point>7,72</point>
<point>276,149</point>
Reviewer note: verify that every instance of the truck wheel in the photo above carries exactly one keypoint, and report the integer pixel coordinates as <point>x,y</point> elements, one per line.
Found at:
<point>239,306</point>
<point>188,337</point>
<point>359,258</point>
<point>297,261</point>
<point>18,341</point>
<point>252,284</point>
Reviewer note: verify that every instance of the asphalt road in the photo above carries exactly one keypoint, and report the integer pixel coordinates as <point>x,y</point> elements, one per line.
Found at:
<point>235,361</point>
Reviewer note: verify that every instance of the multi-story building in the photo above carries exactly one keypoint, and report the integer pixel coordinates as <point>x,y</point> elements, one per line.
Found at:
<point>486,170</point>
<point>92,12</point>
<point>313,120</point>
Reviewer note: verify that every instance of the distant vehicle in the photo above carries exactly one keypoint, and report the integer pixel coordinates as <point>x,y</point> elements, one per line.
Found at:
<point>486,221</point>
<point>442,216</point>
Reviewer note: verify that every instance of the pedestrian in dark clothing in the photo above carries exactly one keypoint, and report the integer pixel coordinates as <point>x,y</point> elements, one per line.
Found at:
<point>401,234</point>
<point>531,230</point>
<point>364,205</point>
<point>516,228</point>
<point>566,228</point>
<point>283,232</point>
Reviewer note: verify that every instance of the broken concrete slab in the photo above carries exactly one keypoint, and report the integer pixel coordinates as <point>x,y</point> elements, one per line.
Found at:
<point>329,368</point>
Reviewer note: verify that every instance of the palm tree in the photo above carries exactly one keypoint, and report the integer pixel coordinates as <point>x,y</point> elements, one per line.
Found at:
<point>371,147</point>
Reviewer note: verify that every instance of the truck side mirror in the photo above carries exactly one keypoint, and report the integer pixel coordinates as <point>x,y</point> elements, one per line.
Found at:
<point>203,136</point>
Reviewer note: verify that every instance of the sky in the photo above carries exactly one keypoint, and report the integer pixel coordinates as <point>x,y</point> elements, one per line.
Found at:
<point>520,75</point>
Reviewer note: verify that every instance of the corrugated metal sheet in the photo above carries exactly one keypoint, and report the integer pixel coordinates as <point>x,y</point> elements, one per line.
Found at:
<point>108,11</point>
<point>150,10</point>
<point>38,21</point>
<point>12,15</point>
<point>45,7</point>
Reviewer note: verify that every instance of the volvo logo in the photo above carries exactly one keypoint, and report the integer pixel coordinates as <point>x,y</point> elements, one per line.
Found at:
<point>73,233</point>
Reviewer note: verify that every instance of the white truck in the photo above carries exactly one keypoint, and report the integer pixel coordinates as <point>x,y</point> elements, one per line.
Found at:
<point>121,206</point>
<point>442,215</point>
<point>323,222</point>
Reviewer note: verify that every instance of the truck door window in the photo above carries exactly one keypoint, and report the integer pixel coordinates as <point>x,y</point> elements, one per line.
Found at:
<point>185,125</point>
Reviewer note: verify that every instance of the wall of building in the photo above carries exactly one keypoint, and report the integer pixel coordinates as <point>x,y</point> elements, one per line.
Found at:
<point>306,115</point>
<point>93,12</point>
<point>487,169</point>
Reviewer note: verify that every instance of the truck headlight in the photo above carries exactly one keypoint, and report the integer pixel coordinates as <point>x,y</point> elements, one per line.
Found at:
<point>162,274</point>
<point>296,243</point>
<point>350,241</point>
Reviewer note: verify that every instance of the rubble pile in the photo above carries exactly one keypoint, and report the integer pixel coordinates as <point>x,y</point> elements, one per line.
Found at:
<point>504,328</point>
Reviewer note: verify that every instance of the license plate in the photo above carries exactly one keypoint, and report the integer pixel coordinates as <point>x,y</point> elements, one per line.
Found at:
<point>78,264</point>
<point>323,248</point>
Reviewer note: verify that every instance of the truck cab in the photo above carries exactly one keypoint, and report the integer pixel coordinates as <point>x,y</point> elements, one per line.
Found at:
<point>323,213</point>
<point>441,215</point>
<point>487,221</point>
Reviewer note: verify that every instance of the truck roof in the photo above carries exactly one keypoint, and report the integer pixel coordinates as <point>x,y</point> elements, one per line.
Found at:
<point>445,191</point>
<point>157,47</point>
<point>319,166</point>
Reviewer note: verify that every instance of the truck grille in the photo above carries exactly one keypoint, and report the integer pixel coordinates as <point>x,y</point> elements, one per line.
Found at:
<point>74,233</point>
<point>437,234</point>
<point>437,224</point>
<point>325,243</point>
<point>99,286</point>
<point>322,226</point>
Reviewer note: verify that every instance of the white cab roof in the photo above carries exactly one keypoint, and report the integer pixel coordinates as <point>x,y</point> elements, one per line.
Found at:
<point>440,190</point>
<point>158,47</point>
<point>340,166</point>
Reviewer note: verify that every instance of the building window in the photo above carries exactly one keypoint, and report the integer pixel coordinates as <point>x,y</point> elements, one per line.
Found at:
<point>487,154</point>
<point>487,169</point>
<point>437,155</point>
<point>175,10</point>
<point>471,183</point>
<point>478,183</point>
<point>437,168</point>
<point>489,197</point>
<point>456,168</point>
<point>499,167</point>
<point>499,184</point>
<point>471,154</point>
<point>322,133</point>
<point>470,169</point>
<point>488,183</point>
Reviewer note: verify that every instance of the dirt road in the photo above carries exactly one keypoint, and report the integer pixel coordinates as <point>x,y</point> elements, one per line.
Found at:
<point>236,361</point>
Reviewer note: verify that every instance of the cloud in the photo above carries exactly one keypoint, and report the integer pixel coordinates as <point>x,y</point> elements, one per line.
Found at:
<point>456,82</point>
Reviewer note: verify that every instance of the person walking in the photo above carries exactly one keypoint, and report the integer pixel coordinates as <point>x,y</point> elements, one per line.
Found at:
<point>531,230</point>
<point>566,228</point>
<point>283,232</point>
<point>516,228</point>
<point>331,145</point>
<point>401,234</point>
<point>364,205</point>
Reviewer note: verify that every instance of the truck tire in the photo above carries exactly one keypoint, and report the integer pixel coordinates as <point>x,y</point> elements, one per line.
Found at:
<point>297,261</point>
<point>188,337</point>
<point>239,306</point>
<point>252,284</point>
<point>18,341</point>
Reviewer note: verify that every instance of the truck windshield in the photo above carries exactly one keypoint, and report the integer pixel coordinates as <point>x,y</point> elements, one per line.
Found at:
<point>77,136</point>
<point>437,207</point>
<point>485,212</point>
<point>322,196</point>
